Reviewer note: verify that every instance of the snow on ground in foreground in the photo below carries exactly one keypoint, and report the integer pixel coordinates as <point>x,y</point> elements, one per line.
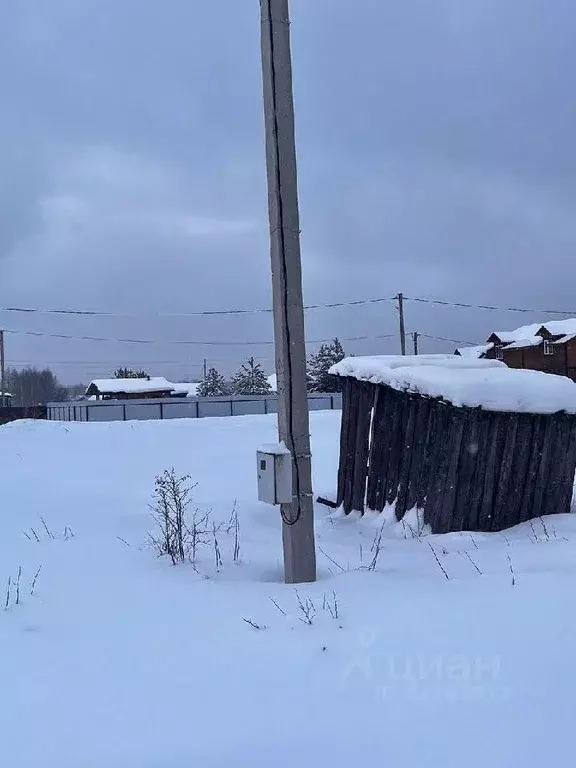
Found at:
<point>120,660</point>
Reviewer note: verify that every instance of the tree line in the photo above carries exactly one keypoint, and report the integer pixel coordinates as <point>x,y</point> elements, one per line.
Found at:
<point>34,386</point>
<point>251,378</point>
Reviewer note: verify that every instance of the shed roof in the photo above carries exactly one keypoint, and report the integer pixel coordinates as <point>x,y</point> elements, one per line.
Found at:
<point>129,386</point>
<point>475,352</point>
<point>186,389</point>
<point>487,384</point>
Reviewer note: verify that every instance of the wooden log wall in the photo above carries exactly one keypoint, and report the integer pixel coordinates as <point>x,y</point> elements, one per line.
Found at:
<point>467,469</point>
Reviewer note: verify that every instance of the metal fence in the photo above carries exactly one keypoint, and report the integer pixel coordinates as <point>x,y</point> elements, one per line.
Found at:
<point>180,408</point>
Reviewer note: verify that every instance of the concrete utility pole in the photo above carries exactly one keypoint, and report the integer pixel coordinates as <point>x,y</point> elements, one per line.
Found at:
<point>290,347</point>
<point>415,340</point>
<point>2,371</point>
<point>400,298</point>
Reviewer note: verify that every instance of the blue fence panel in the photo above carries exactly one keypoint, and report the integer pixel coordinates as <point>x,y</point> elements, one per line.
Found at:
<point>180,410</point>
<point>106,412</point>
<point>214,408</point>
<point>143,411</point>
<point>319,403</point>
<point>248,407</point>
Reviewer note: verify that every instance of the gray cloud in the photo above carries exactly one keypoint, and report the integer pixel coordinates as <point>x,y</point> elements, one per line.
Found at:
<point>435,157</point>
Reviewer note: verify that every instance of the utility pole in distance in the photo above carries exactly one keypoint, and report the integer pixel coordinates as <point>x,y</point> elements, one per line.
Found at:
<point>205,367</point>
<point>289,339</point>
<point>2,372</point>
<point>400,299</point>
<point>415,340</point>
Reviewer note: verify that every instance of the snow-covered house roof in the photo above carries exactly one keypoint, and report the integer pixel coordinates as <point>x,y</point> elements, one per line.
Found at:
<point>506,337</point>
<point>487,384</point>
<point>153,384</point>
<point>565,339</point>
<point>554,327</point>
<point>474,352</point>
<point>533,341</point>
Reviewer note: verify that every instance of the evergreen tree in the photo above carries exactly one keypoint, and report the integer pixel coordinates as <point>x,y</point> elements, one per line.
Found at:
<point>214,385</point>
<point>251,380</point>
<point>128,373</point>
<point>319,380</point>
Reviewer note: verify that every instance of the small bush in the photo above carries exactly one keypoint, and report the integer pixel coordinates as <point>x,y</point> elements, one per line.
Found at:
<point>172,497</point>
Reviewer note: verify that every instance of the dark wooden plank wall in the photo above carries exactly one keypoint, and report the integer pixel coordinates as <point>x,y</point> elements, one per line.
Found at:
<point>467,469</point>
<point>15,413</point>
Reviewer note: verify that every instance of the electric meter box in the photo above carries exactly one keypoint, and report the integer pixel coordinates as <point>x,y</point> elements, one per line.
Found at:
<point>274,474</point>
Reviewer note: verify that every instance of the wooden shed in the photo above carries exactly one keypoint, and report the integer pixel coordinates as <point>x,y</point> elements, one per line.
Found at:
<point>470,444</point>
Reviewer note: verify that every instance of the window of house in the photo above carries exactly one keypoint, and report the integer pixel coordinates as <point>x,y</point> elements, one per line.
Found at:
<point>499,353</point>
<point>548,348</point>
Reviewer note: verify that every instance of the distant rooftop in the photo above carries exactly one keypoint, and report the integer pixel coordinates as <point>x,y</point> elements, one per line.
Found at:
<point>554,327</point>
<point>129,386</point>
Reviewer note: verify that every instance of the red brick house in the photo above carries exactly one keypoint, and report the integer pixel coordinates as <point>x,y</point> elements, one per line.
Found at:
<point>550,347</point>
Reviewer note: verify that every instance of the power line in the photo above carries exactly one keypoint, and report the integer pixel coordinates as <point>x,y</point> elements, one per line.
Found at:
<point>134,362</point>
<point>199,313</point>
<point>268,310</point>
<point>451,341</point>
<point>464,305</point>
<point>182,342</point>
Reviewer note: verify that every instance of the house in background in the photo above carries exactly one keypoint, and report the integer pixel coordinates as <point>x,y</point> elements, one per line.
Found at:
<point>6,400</point>
<point>130,389</point>
<point>548,347</point>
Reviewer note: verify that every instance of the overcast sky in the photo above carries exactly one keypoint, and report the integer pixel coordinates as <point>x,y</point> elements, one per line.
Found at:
<point>436,157</point>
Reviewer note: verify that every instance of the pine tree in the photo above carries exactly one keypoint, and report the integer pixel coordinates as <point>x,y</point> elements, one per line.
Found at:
<point>319,380</point>
<point>214,385</point>
<point>128,373</point>
<point>251,380</point>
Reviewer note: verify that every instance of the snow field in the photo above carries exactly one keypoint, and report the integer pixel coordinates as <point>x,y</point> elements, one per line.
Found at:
<point>120,659</point>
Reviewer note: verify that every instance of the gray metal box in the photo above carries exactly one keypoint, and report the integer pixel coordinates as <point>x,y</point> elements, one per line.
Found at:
<point>274,474</point>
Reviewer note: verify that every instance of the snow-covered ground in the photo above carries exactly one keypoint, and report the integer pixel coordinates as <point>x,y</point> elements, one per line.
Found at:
<point>120,660</point>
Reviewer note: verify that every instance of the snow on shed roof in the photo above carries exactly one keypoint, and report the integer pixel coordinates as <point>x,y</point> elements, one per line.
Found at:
<point>129,386</point>
<point>474,352</point>
<point>185,389</point>
<point>487,384</point>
